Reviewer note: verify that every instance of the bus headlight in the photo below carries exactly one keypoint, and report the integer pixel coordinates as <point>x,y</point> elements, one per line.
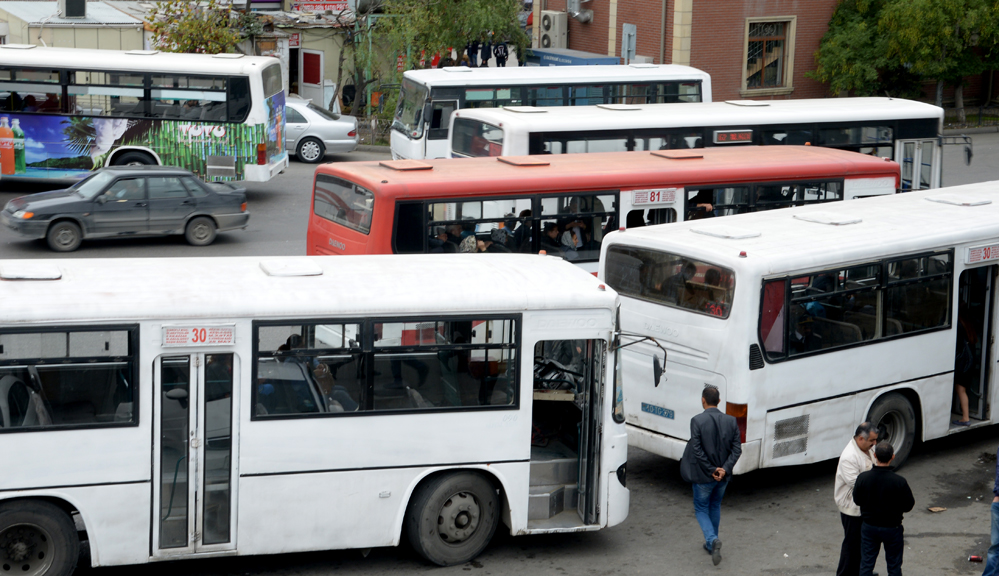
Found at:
<point>24,215</point>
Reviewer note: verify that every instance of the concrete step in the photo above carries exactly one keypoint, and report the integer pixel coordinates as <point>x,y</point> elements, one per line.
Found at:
<point>545,502</point>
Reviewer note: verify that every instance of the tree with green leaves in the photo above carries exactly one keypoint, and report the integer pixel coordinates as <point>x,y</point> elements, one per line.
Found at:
<point>427,27</point>
<point>205,27</point>
<point>937,39</point>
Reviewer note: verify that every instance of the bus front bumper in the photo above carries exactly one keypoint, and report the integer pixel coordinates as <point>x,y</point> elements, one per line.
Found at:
<point>672,448</point>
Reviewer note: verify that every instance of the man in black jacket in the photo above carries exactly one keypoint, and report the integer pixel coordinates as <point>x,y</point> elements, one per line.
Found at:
<point>883,496</point>
<point>713,450</point>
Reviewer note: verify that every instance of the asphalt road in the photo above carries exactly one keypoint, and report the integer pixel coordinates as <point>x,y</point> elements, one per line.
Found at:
<point>774,522</point>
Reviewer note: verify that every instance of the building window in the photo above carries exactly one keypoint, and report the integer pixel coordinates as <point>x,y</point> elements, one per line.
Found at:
<point>769,56</point>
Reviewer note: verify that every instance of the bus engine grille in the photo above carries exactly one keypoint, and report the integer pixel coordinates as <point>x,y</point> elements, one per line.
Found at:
<point>790,436</point>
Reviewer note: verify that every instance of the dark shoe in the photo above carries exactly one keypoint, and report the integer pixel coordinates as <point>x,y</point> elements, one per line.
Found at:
<point>716,552</point>
<point>961,422</point>
<point>707,548</point>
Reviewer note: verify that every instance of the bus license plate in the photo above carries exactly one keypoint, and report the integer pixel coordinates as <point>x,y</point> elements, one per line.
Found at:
<point>657,410</point>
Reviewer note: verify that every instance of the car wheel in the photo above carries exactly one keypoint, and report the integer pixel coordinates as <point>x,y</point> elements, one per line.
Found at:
<point>452,517</point>
<point>200,231</point>
<point>37,539</point>
<point>310,150</point>
<point>134,159</point>
<point>64,236</point>
<point>895,420</point>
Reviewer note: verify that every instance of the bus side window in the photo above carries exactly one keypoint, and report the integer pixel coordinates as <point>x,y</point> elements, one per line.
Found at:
<point>409,228</point>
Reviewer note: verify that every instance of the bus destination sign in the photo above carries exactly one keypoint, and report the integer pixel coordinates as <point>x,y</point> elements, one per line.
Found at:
<point>199,335</point>
<point>734,136</point>
<point>656,196</point>
<point>979,254</point>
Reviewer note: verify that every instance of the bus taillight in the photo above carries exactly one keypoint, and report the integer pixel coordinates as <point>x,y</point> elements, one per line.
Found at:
<point>739,411</point>
<point>261,154</point>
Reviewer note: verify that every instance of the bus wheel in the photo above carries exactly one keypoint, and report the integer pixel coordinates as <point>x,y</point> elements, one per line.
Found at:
<point>64,236</point>
<point>37,539</point>
<point>310,150</point>
<point>895,420</point>
<point>134,159</point>
<point>200,231</point>
<point>452,517</point>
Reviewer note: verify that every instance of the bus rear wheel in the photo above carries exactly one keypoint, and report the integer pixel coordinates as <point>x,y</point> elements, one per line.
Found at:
<point>134,159</point>
<point>452,517</point>
<point>895,420</point>
<point>37,539</point>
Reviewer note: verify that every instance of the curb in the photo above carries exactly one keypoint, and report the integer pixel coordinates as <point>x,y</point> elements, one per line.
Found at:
<point>974,130</point>
<point>373,148</point>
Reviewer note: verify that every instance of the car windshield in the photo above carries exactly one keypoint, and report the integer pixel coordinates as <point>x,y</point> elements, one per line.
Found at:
<point>91,187</point>
<point>323,112</point>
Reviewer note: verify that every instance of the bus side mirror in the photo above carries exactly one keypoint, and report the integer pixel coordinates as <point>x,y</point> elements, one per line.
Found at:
<point>428,111</point>
<point>657,369</point>
<point>967,155</point>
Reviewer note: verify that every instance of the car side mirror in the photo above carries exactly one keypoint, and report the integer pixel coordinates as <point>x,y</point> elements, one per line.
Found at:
<point>102,199</point>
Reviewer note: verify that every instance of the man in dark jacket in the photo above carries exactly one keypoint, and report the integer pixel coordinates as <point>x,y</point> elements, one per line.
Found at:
<point>883,496</point>
<point>714,449</point>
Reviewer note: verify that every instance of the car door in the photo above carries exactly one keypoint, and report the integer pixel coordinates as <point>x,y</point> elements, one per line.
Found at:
<point>121,209</point>
<point>295,125</point>
<point>169,205</point>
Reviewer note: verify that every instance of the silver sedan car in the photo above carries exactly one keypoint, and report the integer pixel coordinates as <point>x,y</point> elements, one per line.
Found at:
<point>311,131</point>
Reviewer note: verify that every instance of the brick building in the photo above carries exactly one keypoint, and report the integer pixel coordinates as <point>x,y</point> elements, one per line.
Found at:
<point>752,48</point>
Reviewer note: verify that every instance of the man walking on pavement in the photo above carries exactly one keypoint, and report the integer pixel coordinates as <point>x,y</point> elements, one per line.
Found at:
<point>883,496</point>
<point>857,457</point>
<point>711,453</point>
<point>992,560</point>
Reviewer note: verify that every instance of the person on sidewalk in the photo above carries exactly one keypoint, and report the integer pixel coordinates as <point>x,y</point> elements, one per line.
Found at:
<point>883,497</point>
<point>992,559</point>
<point>500,52</point>
<point>711,453</point>
<point>857,457</point>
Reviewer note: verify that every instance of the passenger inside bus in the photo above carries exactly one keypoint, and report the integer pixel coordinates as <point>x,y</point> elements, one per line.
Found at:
<point>700,206</point>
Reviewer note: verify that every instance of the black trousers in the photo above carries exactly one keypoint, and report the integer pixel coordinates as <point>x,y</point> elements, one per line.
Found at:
<point>871,539</point>
<point>849,553</point>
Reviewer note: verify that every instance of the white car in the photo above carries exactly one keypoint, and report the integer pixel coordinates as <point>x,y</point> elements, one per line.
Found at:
<point>311,131</point>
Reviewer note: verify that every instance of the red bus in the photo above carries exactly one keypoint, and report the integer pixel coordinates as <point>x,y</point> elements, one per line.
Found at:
<point>564,204</point>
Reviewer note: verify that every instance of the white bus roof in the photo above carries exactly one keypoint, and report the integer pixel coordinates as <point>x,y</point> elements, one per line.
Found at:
<point>812,237</point>
<point>139,60</point>
<point>693,114</point>
<point>103,290</point>
<point>514,75</point>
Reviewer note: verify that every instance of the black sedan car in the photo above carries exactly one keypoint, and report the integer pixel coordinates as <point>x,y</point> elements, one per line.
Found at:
<point>129,201</point>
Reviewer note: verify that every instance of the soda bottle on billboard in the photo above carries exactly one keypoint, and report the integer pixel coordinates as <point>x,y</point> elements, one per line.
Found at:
<point>19,166</point>
<point>6,147</point>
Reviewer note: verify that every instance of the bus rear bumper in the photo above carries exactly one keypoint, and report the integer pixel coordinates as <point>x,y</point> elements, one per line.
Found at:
<point>672,448</point>
<point>264,172</point>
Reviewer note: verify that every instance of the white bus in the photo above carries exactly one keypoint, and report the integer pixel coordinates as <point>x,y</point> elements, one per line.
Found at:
<point>903,130</point>
<point>181,408</point>
<point>67,111</point>
<point>429,97</point>
<point>811,320</point>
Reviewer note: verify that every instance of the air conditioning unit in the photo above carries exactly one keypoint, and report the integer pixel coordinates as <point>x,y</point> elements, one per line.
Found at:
<point>554,25</point>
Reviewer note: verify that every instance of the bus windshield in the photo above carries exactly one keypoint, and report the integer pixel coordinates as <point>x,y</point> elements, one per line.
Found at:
<point>409,114</point>
<point>476,139</point>
<point>671,279</point>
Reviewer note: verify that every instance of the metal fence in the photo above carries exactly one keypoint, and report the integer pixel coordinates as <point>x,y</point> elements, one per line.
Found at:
<point>974,116</point>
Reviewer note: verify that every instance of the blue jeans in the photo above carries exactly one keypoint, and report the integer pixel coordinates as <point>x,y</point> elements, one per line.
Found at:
<point>871,539</point>
<point>707,507</point>
<point>992,560</point>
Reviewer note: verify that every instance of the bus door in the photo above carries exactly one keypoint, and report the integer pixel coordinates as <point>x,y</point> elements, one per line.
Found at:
<point>590,432</point>
<point>194,465</point>
<point>920,162</point>
<point>974,338</point>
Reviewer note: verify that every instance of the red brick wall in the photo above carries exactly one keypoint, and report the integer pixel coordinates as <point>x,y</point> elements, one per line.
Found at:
<point>646,15</point>
<point>718,32</point>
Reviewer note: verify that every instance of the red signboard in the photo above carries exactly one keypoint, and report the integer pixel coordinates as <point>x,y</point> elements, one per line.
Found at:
<point>294,41</point>
<point>318,6</point>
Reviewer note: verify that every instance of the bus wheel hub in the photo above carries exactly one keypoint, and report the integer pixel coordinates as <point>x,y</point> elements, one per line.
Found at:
<point>459,518</point>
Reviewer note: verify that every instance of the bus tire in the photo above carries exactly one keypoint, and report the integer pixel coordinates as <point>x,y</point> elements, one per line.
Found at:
<point>452,517</point>
<point>895,419</point>
<point>134,159</point>
<point>310,150</point>
<point>200,231</point>
<point>37,539</point>
<point>64,236</point>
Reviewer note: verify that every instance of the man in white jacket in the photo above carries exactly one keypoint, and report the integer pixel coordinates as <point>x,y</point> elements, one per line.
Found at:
<point>857,457</point>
